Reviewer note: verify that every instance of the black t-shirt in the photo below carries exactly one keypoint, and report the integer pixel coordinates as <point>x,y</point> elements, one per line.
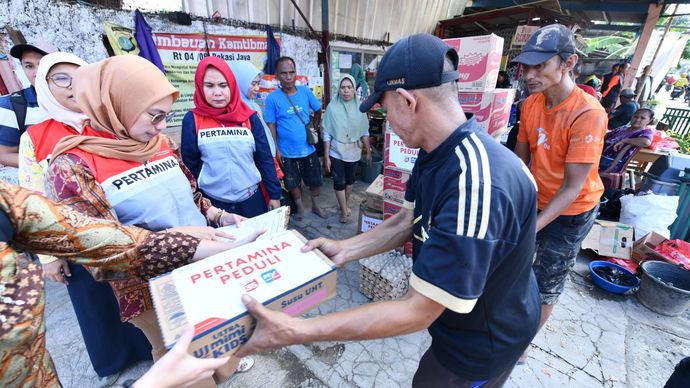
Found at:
<point>475,211</point>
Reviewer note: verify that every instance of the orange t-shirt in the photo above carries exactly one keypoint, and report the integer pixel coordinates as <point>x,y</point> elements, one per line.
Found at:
<point>570,132</point>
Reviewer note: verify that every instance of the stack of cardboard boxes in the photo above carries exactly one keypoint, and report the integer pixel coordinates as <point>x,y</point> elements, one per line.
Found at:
<point>398,160</point>
<point>479,62</point>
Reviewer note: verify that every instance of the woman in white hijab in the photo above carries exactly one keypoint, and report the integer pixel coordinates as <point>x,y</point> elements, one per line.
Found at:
<point>55,96</point>
<point>112,345</point>
<point>248,78</point>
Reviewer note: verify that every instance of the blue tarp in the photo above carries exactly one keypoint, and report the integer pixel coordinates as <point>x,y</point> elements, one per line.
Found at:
<point>144,39</point>
<point>272,51</point>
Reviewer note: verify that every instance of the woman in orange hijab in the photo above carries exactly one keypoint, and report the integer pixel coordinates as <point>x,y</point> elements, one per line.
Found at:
<point>122,168</point>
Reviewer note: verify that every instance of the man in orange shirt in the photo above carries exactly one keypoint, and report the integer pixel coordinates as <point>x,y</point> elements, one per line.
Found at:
<point>561,134</point>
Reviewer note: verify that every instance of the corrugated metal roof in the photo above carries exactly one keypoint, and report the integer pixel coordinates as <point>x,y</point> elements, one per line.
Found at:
<point>380,20</point>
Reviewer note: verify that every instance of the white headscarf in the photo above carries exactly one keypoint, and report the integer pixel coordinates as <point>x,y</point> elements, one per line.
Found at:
<point>46,100</point>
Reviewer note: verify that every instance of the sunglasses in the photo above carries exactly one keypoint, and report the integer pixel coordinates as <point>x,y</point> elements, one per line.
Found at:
<point>61,80</point>
<point>157,118</point>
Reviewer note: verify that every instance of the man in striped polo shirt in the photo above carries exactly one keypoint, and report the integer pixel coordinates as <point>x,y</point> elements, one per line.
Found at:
<point>471,207</point>
<point>20,110</point>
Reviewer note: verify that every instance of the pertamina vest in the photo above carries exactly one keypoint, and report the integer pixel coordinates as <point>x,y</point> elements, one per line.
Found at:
<point>228,172</point>
<point>155,195</point>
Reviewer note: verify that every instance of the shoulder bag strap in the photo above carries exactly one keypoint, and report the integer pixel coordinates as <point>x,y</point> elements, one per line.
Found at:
<point>295,108</point>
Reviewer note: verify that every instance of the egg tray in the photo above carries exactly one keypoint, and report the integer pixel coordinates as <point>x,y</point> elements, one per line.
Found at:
<point>385,276</point>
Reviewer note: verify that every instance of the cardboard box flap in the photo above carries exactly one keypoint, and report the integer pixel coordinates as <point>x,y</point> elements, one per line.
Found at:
<point>610,239</point>
<point>376,187</point>
<point>273,222</point>
<point>643,249</point>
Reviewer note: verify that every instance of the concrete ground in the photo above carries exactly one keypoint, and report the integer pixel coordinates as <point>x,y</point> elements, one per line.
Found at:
<point>594,338</point>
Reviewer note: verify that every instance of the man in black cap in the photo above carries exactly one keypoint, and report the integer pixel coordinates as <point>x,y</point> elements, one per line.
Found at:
<point>473,224</point>
<point>20,110</point>
<point>561,137</point>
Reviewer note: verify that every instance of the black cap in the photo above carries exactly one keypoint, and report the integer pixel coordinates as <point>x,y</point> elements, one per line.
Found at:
<point>40,46</point>
<point>546,42</point>
<point>414,62</point>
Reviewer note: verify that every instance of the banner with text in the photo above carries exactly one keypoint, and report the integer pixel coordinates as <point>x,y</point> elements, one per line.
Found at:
<point>522,35</point>
<point>181,54</point>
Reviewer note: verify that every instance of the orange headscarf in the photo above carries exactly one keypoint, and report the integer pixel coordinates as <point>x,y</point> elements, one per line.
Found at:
<point>113,93</point>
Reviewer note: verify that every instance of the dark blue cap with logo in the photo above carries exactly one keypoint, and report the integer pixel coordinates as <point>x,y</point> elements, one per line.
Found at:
<point>546,42</point>
<point>414,62</point>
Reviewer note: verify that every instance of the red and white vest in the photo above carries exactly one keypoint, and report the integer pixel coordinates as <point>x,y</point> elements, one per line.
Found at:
<point>44,136</point>
<point>155,195</point>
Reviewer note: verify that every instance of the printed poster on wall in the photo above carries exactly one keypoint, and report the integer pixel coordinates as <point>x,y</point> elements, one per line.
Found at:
<point>121,39</point>
<point>181,54</point>
<point>522,35</point>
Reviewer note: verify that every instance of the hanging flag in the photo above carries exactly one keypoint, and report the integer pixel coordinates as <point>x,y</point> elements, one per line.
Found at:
<point>147,47</point>
<point>272,51</point>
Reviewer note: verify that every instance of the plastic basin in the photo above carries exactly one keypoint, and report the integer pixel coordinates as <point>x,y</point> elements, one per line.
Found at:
<point>607,285</point>
<point>665,288</point>
<point>370,173</point>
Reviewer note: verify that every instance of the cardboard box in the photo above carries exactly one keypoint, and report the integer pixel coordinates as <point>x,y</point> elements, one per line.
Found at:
<point>390,209</point>
<point>406,249</point>
<point>643,249</point>
<point>368,218</point>
<point>610,239</point>
<point>491,109</point>
<point>396,154</point>
<point>206,294</point>
<point>479,61</point>
<point>374,194</point>
<point>394,185</point>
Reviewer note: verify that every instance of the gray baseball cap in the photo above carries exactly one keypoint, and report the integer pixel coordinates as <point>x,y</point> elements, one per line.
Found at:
<point>628,93</point>
<point>546,42</point>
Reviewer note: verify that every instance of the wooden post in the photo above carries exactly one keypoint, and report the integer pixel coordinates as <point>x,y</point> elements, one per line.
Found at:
<point>645,35</point>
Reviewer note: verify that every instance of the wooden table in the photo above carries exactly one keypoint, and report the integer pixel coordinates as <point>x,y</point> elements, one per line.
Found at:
<point>642,161</point>
<point>645,158</point>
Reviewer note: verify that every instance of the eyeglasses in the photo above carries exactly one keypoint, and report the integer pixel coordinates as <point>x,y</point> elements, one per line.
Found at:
<point>61,80</point>
<point>157,118</point>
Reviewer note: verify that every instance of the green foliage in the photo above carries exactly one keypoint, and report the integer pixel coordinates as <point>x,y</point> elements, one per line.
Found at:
<point>617,46</point>
<point>682,140</point>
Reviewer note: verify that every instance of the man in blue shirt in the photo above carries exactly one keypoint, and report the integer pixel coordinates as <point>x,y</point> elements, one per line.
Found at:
<point>471,207</point>
<point>624,112</point>
<point>20,110</point>
<point>287,112</point>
